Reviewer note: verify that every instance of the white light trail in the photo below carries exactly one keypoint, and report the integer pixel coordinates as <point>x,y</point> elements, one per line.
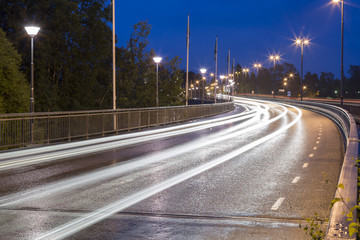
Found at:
<point>103,213</point>
<point>87,149</point>
<point>117,170</point>
<point>65,146</point>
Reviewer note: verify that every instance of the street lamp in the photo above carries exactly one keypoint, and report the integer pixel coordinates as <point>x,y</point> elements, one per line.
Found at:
<point>245,70</point>
<point>203,71</point>
<point>302,42</point>
<point>32,31</point>
<point>274,58</point>
<point>257,66</point>
<point>222,77</point>
<point>342,49</point>
<point>157,60</point>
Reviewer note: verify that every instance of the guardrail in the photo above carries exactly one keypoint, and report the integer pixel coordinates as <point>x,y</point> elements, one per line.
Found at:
<point>338,227</point>
<point>44,128</point>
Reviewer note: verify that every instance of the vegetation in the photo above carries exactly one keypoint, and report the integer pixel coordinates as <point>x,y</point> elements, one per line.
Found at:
<point>14,90</point>
<point>73,57</point>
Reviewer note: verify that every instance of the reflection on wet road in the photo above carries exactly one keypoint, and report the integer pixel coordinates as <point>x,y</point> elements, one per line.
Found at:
<point>247,174</point>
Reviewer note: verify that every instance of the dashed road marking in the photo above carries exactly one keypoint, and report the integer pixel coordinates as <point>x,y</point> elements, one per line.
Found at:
<point>317,142</point>
<point>311,155</point>
<point>319,138</point>
<point>305,165</point>
<point>315,148</point>
<point>295,180</point>
<point>277,204</point>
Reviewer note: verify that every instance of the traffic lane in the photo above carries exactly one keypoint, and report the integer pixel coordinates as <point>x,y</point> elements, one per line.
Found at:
<point>250,184</point>
<point>23,178</point>
<point>88,196</point>
<point>277,224</point>
<point>148,179</point>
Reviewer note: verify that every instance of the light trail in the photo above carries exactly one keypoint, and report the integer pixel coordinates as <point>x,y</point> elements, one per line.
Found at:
<point>65,146</point>
<point>68,153</point>
<point>114,171</point>
<point>103,213</point>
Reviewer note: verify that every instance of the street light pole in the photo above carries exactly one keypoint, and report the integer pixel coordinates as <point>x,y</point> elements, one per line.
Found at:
<point>342,53</point>
<point>203,71</point>
<point>274,58</point>
<point>32,31</point>
<point>301,42</point>
<point>157,60</point>
<point>257,66</point>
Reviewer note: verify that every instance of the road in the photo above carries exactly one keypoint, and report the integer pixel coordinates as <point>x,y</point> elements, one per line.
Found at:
<point>253,173</point>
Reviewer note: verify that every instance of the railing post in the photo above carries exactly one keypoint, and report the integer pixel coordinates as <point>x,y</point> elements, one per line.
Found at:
<point>69,127</point>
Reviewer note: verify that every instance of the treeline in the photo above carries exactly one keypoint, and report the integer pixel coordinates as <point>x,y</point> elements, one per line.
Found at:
<point>73,58</point>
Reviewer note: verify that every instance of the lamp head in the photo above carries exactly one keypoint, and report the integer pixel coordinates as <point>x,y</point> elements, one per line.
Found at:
<point>157,59</point>
<point>32,30</point>
<point>203,70</point>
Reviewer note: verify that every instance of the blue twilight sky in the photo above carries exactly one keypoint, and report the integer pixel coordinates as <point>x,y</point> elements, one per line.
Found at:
<point>250,29</point>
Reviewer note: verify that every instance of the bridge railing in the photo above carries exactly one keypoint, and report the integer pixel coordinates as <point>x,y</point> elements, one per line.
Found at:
<point>44,128</point>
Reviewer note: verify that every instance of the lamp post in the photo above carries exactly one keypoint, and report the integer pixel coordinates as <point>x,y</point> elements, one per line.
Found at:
<point>342,50</point>
<point>257,66</point>
<point>32,31</point>
<point>245,70</point>
<point>222,77</point>
<point>157,60</point>
<point>301,42</point>
<point>203,71</point>
<point>274,58</point>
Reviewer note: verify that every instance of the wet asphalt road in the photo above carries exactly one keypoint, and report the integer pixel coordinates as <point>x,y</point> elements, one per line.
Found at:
<point>251,177</point>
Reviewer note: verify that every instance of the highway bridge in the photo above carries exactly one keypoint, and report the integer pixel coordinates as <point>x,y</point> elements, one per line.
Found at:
<point>255,172</point>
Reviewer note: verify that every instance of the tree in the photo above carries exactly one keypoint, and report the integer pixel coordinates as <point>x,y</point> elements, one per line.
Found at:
<point>311,82</point>
<point>14,90</point>
<point>136,73</point>
<point>327,85</point>
<point>352,88</point>
<point>72,50</point>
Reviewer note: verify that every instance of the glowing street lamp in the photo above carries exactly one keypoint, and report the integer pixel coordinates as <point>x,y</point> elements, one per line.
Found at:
<point>157,60</point>
<point>203,71</point>
<point>302,42</point>
<point>257,66</point>
<point>32,31</point>
<point>274,58</point>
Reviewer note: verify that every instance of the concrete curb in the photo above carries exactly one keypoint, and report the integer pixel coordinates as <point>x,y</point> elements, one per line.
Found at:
<point>338,226</point>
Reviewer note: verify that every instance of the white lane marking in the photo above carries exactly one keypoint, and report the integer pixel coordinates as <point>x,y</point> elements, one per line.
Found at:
<point>319,138</point>
<point>315,148</point>
<point>311,155</point>
<point>319,134</point>
<point>305,165</point>
<point>277,204</point>
<point>89,219</point>
<point>317,142</point>
<point>295,180</point>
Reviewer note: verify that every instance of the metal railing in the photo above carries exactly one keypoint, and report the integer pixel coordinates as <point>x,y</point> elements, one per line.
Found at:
<point>44,128</point>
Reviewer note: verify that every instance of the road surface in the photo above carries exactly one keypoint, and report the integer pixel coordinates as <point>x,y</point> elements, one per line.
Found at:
<point>253,173</point>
